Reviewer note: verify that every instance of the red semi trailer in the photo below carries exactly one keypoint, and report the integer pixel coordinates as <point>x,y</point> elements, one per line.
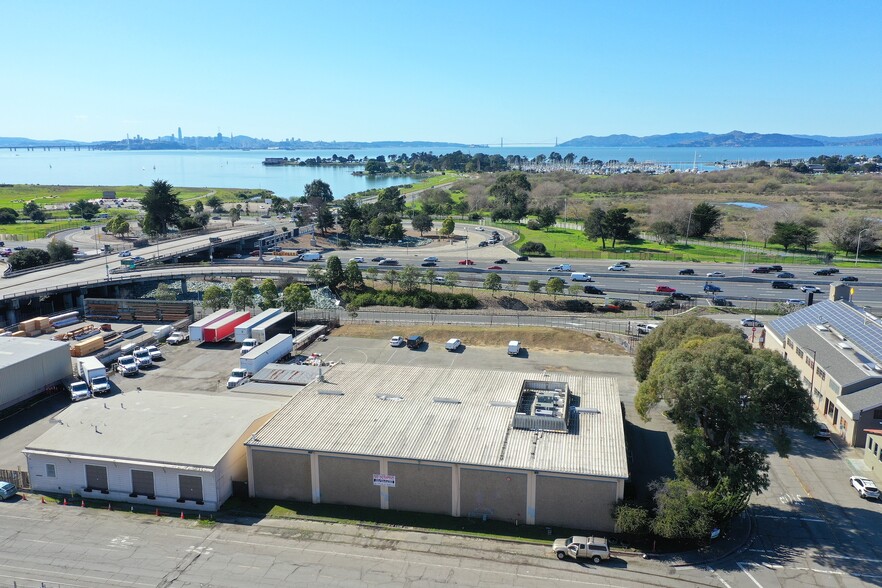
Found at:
<point>224,328</point>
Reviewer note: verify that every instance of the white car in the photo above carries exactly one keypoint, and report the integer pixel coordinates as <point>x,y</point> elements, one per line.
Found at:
<point>154,352</point>
<point>357,259</point>
<point>617,268</point>
<point>396,341</point>
<point>795,301</point>
<point>750,322</point>
<point>237,377</point>
<point>865,487</point>
<point>716,275</point>
<point>125,253</point>
<point>813,289</point>
<point>177,337</point>
<point>439,280</point>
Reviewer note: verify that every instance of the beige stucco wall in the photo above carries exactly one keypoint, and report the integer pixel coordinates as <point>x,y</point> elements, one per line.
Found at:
<point>498,494</point>
<point>281,475</point>
<point>575,503</point>
<point>349,481</point>
<point>421,487</point>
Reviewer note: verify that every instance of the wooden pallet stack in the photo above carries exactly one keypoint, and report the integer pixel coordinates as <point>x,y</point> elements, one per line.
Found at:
<point>87,346</point>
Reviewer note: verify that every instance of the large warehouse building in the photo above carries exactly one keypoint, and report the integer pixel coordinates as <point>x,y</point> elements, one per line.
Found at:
<point>165,449</point>
<point>536,448</point>
<point>30,366</point>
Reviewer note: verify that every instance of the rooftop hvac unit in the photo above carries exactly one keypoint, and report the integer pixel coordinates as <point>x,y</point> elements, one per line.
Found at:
<point>845,345</point>
<point>823,328</point>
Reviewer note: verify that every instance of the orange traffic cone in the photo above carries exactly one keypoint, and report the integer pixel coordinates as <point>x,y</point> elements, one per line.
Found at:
<point>65,502</point>
<point>42,500</point>
<point>109,506</point>
<point>82,503</point>
<point>182,514</point>
<point>24,496</point>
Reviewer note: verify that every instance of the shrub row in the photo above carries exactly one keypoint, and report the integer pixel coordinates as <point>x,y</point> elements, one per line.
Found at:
<point>416,299</point>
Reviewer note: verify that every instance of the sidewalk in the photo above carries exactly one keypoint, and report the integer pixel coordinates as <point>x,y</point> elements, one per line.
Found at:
<point>735,539</point>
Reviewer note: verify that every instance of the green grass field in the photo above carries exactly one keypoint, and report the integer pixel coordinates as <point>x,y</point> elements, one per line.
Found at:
<point>432,181</point>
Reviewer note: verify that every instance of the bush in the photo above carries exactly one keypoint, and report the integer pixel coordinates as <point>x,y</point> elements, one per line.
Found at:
<point>417,299</point>
<point>533,248</point>
<point>534,225</point>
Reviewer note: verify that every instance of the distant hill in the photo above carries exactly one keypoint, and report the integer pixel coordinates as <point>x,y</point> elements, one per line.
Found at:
<point>23,142</point>
<point>733,139</point>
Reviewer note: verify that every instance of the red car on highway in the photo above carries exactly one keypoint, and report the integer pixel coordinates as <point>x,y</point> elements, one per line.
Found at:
<point>665,289</point>
<point>494,267</point>
<point>466,262</point>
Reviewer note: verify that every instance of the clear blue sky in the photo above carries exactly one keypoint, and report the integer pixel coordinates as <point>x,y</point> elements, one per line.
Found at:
<point>464,71</point>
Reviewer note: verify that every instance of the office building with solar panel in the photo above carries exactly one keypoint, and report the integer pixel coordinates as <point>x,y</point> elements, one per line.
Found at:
<point>837,347</point>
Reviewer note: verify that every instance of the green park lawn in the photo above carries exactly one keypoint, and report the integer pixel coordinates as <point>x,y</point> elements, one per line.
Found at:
<point>432,181</point>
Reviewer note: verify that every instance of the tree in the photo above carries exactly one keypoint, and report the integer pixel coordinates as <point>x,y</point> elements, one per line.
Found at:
<point>165,293</point>
<point>198,207</point>
<point>447,227</point>
<point>706,219</point>
<point>619,225</point>
<point>631,519</point>
<point>214,203</point>
<point>554,286</point>
<point>269,294</point>
<point>29,208</point>
<point>514,283</point>
<point>235,215</point>
<point>409,278</point>
<point>85,209</point>
<point>391,276</point>
<point>215,297</point>
<point>665,232</point>
<point>242,294</point>
<point>324,219</point>
<point>391,200</point>
<point>574,289</point>
<point>535,287</point>
<point>161,208</point>
<point>668,336</point>
<point>372,273</point>
<point>451,280</point>
<point>533,248</point>
<point>315,274</point>
<point>8,216</point>
<point>428,278</point>
<point>117,225</point>
<point>295,298</point>
<point>595,226</point>
<point>334,272</point>
<point>59,251</point>
<point>352,276</point>
<point>319,190</point>
<point>38,215</point>
<point>356,230</point>
<point>349,211</point>
<point>547,216</point>
<point>843,232</point>
<point>27,259</point>
<point>511,193</point>
<point>493,282</point>
<point>422,222</point>
<point>785,234</point>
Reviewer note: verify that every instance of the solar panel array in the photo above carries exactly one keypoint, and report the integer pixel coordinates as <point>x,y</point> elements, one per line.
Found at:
<point>851,322</point>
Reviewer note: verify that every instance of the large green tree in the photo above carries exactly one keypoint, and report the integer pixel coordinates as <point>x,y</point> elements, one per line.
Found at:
<point>493,282</point>
<point>352,275</point>
<point>269,294</point>
<point>595,226</point>
<point>84,208</point>
<point>27,259</point>
<point>59,251</point>
<point>619,225</point>
<point>334,272</point>
<point>511,194</point>
<point>215,297</point>
<point>706,219</point>
<point>422,222</point>
<point>318,189</point>
<point>161,208</point>
<point>295,298</point>
<point>242,294</point>
<point>409,278</point>
<point>8,216</point>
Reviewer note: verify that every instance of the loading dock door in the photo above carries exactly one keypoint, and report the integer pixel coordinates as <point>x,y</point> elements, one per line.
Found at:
<point>191,488</point>
<point>96,478</point>
<point>142,483</point>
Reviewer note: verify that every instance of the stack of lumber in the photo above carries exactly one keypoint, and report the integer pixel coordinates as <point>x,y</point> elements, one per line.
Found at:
<point>87,346</point>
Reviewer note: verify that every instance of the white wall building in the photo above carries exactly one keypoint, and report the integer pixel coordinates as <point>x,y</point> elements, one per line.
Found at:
<point>165,449</point>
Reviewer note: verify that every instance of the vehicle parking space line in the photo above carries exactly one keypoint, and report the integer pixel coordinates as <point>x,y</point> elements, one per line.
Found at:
<point>720,578</point>
<point>748,574</point>
<point>805,519</point>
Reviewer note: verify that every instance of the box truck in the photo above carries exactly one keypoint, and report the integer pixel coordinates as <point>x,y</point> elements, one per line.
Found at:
<point>243,331</point>
<point>195,329</point>
<point>270,352</point>
<point>93,373</point>
<point>281,323</point>
<point>224,328</point>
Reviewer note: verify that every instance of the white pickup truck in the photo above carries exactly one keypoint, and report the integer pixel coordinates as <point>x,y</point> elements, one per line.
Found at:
<point>594,548</point>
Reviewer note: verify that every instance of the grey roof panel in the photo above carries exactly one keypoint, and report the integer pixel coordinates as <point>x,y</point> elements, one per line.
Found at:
<point>830,358</point>
<point>866,399</point>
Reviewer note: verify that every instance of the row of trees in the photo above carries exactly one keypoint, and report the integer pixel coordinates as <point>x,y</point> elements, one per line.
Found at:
<point>294,298</point>
<point>720,393</point>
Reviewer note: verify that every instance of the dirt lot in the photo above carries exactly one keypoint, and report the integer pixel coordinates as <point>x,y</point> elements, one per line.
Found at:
<point>531,337</point>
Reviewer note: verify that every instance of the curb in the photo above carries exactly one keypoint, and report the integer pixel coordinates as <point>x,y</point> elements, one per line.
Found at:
<point>741,546</point>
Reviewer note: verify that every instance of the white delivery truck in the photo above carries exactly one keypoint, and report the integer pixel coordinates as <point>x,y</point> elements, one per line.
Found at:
<point>93,373</point>
<point>160,333</point>
<point>267,353</point>
<point>311,256</point>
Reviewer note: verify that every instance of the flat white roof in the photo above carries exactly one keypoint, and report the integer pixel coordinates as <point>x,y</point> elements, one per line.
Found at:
<point>166,428</point>
<point>17,349</point>
<point>450,416</point>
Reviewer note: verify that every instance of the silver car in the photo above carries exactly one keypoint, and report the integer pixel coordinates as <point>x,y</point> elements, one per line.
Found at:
<point>7,490</point>
<point>865,487</point>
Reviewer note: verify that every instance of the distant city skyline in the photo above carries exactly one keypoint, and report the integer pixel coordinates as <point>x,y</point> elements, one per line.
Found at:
<point>471,73</point>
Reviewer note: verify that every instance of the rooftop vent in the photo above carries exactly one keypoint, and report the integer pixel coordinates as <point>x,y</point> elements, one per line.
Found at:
<point>586,409</point>
<point>390,397</point>
<point>845,345</point>
<point>442,400</point>
<point>330,392</point>
<point>503,403</point>
<point>823,328</point>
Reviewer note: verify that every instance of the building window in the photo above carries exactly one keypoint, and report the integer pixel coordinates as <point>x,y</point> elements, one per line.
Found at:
<point>821,373</point>
<point>877,414</point>
<point>96,479</point>
<point>809,362</point>
<point>835,386</point>
<point>50,470</point>
<point>817,394</point>
<point>790,343</point>
<point>799,353</point>
<point>806,382</point>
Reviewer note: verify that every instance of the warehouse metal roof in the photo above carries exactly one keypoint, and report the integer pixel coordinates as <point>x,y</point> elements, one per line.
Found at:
<point>450,416</point>
<point>17,349</point>
<point>164,428</point>
<point>287,373</point>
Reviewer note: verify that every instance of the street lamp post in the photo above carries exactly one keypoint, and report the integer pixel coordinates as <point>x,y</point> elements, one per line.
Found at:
<point>688,226</point>
<point>743,252</point>
<point>858,251</point>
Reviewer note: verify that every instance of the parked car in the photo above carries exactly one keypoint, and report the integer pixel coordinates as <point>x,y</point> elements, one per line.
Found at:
<point>751,322</point>
<point>514,348</point>
<point>501,261</point>
<point>388,261</point>
<point>776,268</point>
<point>822,431</point>
<point>680,296</point>
<point>761,270</point>
<point>813,289</point>
<point>617,268</point>
<point>466,262</point>
<point>665,289</point>
<point>795,301</point>
<point>357,259</point>
<point>415,341</point>
<point>453,344</point>
<point>716,275</point>
<point>126,253</point>
<point>429,264</point>
<point>377,259</point>
<point>396,341</point>
<point>593,290</point>
<point>779,285</point>
<point>594,548</point>
<point>784,275</point>
<point>848,279</point>
<point>7,490</point>
<point>833,270</point>
<point>712,288</point>
<point>522,258</point>
<point>494,267</point>
<point>686,272</point>
<point>822,272</point>
<point>178,337</point>
<point>864,486</point>
<point>624,263</point>
<point>430,258</point>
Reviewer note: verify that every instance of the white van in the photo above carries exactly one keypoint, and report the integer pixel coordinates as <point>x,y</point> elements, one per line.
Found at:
<point>313,256</point>
<point>452,344</point>
<point>514,348</point>
<point>580,277</point>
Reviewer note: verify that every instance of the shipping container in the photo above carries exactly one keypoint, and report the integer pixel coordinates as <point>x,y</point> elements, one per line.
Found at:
<point>281,323</point>
<point>28,367</point>
<point>224,328</point>
<point>272,351</point>
<point>243,331</point>
<point>196,328</point>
